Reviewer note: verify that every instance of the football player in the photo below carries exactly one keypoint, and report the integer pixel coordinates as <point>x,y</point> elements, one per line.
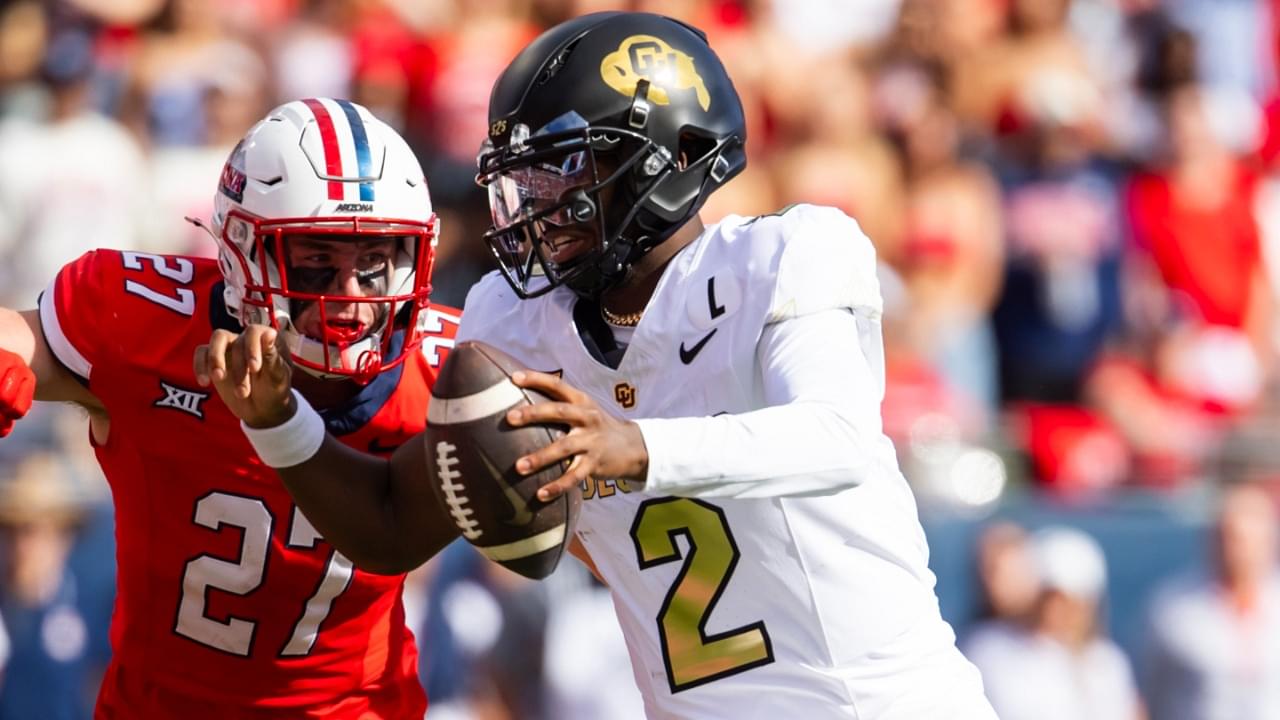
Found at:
<point>229,602</point>
<point>722,385</point>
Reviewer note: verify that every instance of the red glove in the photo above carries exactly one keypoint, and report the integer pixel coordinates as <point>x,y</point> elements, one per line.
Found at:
<point>17,389</point>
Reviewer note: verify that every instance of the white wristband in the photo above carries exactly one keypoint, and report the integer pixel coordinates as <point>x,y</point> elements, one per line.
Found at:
<point>294,441</point>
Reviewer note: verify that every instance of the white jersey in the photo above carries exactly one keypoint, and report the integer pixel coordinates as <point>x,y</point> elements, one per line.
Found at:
<point>773,565</point>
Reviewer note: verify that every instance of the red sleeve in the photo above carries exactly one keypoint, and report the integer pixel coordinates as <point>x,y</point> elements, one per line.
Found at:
<point>72,310</point>
<point>108,303</point>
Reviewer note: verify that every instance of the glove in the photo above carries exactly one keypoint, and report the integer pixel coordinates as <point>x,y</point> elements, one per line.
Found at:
<point>17,390</point>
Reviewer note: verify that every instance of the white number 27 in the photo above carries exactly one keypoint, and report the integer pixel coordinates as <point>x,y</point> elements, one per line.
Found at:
<point>183,300</point>
<point>235,635</point>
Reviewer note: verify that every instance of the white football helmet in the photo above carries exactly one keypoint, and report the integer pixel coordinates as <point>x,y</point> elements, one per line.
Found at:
<point>327,168</point>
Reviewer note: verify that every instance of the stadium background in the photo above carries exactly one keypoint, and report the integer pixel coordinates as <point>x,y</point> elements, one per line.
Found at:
<point>1076,205</point>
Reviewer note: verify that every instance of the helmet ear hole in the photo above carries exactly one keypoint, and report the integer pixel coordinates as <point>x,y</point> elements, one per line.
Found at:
<point>693,147</point>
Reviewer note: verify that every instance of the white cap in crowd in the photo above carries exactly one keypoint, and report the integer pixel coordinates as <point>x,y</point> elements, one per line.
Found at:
<point>1069,561</point>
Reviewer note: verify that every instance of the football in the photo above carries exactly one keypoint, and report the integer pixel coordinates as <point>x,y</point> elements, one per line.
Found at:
<point>471,455</point>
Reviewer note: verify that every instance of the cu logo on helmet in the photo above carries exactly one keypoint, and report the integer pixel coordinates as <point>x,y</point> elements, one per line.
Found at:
<point>651,58</point>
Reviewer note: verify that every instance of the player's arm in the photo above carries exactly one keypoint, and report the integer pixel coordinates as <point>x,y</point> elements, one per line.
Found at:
<point>820,433</point>
<point>379,513</point>
<point>50,353</point>
<point>28,370</point>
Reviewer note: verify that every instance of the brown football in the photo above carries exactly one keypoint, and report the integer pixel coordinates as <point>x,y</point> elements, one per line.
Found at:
<point>471,455</point>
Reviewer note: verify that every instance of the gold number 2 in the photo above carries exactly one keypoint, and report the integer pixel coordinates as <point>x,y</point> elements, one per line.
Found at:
<point>691,655</point>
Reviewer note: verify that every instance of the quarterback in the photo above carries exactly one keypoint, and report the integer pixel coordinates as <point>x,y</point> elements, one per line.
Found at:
<point>722,385</point>
<point>230,603</point>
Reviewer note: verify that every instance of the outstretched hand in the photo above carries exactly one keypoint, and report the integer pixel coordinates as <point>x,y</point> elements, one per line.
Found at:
<point>251,373</point>
<point>17,389</point>
<point>597,444</point>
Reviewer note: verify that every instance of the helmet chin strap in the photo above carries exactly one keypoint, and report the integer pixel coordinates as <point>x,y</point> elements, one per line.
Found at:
<point>365,356</point>
<point>200,224</point>
<point>362,359</point>
<point>605,271</point>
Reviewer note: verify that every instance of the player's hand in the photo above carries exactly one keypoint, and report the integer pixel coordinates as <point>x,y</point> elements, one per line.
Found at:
<point>17,389</point>
<point>599,444</point>
<point>251,373</point>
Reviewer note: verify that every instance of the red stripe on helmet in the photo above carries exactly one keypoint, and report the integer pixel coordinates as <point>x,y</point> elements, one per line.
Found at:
<point>329,138</point>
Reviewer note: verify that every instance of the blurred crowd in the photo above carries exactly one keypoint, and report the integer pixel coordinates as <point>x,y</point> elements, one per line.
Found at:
<point>1076,205</point>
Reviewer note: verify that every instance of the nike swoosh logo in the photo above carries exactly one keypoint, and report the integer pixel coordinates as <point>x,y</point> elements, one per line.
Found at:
<point>687,355</point>
<point>522,516</point>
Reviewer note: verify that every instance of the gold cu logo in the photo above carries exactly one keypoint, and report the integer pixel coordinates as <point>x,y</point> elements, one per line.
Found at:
<point>498,127</point>
<point>625,394</point>
<point>651,58</point>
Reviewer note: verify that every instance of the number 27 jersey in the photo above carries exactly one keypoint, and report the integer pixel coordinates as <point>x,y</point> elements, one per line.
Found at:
<point>229,603</point>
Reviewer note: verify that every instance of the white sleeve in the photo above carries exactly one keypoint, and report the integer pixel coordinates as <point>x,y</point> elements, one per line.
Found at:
<point>828,263</point>
<point>823,377</point>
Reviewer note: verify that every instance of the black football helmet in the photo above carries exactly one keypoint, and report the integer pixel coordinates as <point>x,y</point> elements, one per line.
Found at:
<point>606,134</point>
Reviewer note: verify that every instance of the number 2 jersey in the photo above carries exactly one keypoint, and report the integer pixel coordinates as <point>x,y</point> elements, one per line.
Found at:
<point>229,604</point>
<point>773,566</point>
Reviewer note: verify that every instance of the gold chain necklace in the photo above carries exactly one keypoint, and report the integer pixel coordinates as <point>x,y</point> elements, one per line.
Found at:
<point>625,320</point>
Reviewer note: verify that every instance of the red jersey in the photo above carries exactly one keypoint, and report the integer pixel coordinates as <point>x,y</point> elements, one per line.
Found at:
<point>228,603</point>
<point>1208,254</point>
